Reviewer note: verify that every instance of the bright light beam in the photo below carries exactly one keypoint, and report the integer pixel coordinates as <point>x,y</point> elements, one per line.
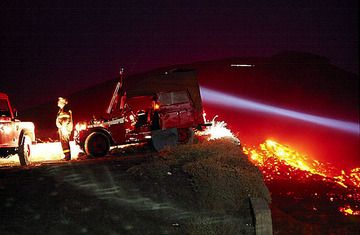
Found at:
<point>216,97</point>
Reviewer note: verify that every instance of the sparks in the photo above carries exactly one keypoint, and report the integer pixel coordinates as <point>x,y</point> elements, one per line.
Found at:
<point>218,130</point>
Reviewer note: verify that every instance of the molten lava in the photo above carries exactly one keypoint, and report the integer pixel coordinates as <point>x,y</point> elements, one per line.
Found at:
<point>280,162</point>
<point>274,159</point>
<point>348,211</point>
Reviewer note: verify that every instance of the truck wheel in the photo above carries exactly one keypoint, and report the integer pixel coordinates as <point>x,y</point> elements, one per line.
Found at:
<point>97,144</point>
<point>186,135</point>
<point>24,150</point>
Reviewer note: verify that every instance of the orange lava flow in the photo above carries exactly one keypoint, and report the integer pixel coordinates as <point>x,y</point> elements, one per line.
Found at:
<point>278,161</point>
<point>271,156</point>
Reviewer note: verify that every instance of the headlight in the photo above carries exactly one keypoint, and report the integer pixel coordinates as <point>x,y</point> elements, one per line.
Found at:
<point>6,129</point>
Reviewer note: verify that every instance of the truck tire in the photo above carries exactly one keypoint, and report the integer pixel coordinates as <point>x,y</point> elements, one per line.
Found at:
<point>97,144</point>
<point>24,150</point>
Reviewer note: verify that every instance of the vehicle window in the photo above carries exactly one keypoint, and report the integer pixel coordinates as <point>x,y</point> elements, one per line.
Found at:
<point>173,97</point>
<point>4,108</point>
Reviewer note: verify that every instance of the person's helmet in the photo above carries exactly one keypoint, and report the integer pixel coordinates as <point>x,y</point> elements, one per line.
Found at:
<point>63,100</point>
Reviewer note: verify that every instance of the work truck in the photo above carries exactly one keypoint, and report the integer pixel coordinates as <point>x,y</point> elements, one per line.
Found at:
<point>163,109</point>
<point>16,137</point>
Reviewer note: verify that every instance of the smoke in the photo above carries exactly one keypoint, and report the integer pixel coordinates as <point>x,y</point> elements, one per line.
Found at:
<point>215,97</point>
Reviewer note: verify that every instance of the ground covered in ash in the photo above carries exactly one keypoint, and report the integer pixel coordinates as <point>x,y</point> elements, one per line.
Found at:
<point>194,189</point>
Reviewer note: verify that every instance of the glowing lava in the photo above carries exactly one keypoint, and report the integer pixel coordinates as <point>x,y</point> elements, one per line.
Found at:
<point>272,158</point>
<point>348,211</point>
<point>290,157</point>
<point>280,162</point>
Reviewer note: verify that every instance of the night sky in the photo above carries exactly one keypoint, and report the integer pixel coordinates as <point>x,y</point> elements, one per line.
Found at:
<point>53,49</point>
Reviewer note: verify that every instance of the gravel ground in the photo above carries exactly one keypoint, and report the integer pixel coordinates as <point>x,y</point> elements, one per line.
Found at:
<point>89,197</point>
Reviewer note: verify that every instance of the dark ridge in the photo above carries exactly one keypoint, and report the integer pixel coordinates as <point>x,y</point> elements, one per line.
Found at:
<point>294,57</point>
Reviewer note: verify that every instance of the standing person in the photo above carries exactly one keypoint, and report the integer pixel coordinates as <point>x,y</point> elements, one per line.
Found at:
<point>64,123</point>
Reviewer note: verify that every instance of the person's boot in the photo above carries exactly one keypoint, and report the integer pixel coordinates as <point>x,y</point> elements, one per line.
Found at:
<point>66,158</point>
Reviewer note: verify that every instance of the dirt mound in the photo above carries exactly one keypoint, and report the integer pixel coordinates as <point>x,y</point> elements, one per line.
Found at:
<point>211,178</point>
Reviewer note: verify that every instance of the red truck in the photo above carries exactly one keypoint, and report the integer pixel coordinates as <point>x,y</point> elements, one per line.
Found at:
<point>163,109</point>
<point>16,137</point>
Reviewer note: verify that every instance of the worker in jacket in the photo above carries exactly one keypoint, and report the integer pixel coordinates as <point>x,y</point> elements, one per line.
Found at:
<point>64,123</point>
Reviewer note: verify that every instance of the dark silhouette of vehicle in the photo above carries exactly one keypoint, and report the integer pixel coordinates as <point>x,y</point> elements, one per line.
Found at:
<point>163,109</point>
<point>16,137</point>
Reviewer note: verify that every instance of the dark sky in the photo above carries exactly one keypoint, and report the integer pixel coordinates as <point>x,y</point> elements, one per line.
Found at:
<point>53,49</point>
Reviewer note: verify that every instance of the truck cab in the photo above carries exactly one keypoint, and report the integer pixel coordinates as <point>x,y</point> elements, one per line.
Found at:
<point>16,137</point>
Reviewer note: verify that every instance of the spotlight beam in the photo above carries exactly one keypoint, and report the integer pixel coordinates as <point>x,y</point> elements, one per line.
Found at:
<point>223,99</point>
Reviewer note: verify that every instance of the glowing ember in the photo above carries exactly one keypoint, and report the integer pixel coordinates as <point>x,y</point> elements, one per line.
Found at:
<point>348,211</point>
<point>355,176</point>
